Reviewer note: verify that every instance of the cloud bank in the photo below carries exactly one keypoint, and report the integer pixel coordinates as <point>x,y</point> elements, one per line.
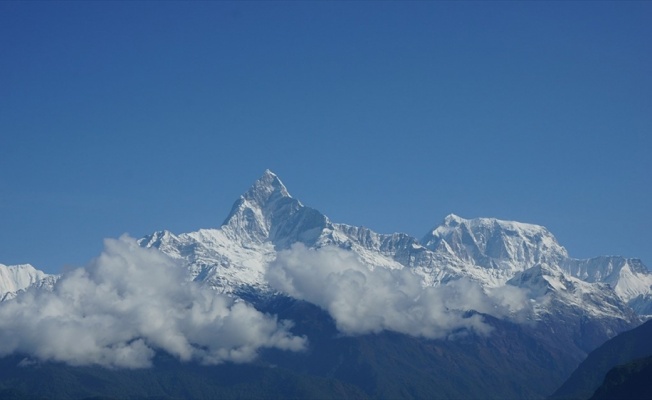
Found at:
<point>362,301</point>
<point>126,305</point>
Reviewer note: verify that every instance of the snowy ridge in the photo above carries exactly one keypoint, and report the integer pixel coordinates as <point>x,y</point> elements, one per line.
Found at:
<point>628,276</point>
<point>503,249</point>
<point>16,278</point>
<point>215,258</point>
<point>492,243</point>
<point>549,283</point>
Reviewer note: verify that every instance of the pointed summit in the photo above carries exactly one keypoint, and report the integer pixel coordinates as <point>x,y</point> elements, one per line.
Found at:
<point>452,220</point>
<point>266,188</point>
<point>267,212</point>
<point>252,214</point>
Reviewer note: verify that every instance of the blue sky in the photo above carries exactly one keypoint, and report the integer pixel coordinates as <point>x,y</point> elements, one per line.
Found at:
<point>134,117</point>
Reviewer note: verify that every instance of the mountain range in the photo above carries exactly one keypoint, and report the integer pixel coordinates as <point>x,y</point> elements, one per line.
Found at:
<point>476,306</point>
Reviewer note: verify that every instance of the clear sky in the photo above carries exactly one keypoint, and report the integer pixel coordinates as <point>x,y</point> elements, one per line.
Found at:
<point>134,117</point>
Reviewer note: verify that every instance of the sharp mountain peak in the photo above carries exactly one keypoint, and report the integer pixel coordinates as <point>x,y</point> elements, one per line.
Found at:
<point>267,186</point>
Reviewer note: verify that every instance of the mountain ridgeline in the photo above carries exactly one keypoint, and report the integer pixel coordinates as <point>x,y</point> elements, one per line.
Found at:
<point>478,308</point>
<point>631,351</point>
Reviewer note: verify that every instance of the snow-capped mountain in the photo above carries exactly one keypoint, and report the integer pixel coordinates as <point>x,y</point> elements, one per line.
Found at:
<point>565,307</point>
<point>505,246</point>
<point>267,219</point>
<point>217,258</point>
<point>595,299</point>
<point>629,278</point>
<point>262,221</point>
<point>508,248</point>
<point>15,278</point>
<point>267,213</point>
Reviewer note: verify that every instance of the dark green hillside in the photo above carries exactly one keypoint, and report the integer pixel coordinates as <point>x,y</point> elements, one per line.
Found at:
<point>168,380</point>
<point>515,361</point>
<point>632,381</point>
<point>622,349</point>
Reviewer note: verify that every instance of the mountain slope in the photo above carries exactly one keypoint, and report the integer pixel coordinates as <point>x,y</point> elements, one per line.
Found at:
<point>621,349</point>
<point>169,379</point>
<point>378,366</point>
<point>391,365</point>
<point>631,381</point>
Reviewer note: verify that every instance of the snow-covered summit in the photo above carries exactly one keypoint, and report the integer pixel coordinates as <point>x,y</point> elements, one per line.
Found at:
<point>495,251</point>
<point>267,211</point>
<point>267,189</point>
<point>251,215</point>
<point>496,244</point>
<point>630,279</point>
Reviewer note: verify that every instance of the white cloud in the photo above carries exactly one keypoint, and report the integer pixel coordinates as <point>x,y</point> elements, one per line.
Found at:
<point>128,304</point>
<point>362,301</point>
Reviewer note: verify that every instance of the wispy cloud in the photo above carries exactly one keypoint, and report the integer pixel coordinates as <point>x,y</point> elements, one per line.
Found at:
<point>129,303</point>
<point>362,300</point>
